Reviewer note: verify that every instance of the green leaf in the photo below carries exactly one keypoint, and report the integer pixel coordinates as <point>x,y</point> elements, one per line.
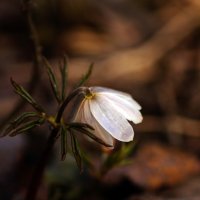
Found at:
<point>18,121</point>
<point>126,149</point>
<point>92,136</point>
<point>87,160</point>
<point>63,142</point>
<point>63,72</point>
<point>24,116</point>
<point>26,127</point>
<point>52,80</point>
<point>83,128</point>
<point>26,96</point>
<point>119,157</point>
<point>86,76</point>
<point>80,125</point>
<point>76,151</point>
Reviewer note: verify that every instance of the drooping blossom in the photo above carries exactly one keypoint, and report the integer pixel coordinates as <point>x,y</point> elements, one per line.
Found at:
<point>109,111</point>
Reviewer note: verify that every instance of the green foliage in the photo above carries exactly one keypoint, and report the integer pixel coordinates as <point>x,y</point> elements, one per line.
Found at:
<point>76,151</point>
<point>79,125</point>
<point>90,133</point>
<point>120,157</point>
<point>23,117</point>
<point>26,96</point>
<point>26,127</point>
<point>60,94</point>
<point>23,123</point>
<point>29,120</point>
<point>85,77</point>
<point>53,81</point>
<point>63,72</point>
<point>63,138</point>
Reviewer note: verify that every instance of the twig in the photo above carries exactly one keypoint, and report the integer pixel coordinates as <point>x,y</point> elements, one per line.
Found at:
<point>35,67</point>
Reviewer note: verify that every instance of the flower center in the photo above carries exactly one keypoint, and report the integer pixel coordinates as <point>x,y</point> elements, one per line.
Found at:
<point>89,94</point>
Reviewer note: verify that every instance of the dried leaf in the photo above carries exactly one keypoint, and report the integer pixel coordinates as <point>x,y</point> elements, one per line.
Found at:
<point>155,166</point>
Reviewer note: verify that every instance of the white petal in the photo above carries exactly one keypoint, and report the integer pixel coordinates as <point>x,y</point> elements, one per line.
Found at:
<point>115,93</point>
<point>99,131</point>
<point>124,108</point>
<point>111,120</point>
<point>79,113</point>
<point>84,115</point>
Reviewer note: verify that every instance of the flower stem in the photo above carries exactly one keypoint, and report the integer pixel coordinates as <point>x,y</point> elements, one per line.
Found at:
<point>39,170</point>
<point>67,100</point>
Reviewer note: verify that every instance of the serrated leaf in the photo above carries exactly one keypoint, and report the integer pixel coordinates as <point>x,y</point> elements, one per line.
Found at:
<point>91,135</point>
<point>52,80</point>
<point>63,142</point>
<point>63,72</point>
<point>75,151</point>
<point>26,96</point>
<point>85,77</point>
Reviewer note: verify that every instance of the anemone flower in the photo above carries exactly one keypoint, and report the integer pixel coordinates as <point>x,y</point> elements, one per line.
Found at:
<point>109,112</point>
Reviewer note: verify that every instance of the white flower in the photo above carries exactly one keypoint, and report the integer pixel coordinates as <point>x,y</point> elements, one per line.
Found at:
<point>108,112</point>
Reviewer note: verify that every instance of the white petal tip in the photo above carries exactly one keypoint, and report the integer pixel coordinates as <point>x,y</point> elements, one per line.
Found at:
<point>125,137</point>
<point>139,120</point>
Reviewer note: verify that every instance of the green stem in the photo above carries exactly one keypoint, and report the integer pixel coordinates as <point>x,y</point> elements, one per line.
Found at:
<point>67,100</point>
<point>39,170</point>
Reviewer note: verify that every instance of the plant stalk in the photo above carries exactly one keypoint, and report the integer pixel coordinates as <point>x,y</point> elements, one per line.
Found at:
<point>39,170</point>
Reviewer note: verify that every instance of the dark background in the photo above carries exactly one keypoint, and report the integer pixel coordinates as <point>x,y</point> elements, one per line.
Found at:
<point>149,49</point>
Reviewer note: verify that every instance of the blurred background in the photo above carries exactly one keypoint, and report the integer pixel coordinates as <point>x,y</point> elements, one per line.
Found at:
<point>150,49</point>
